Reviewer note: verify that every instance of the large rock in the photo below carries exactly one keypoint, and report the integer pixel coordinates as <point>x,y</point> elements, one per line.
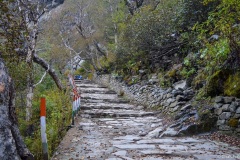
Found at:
<point>218,111</point>
<point>236,116</point>
<point>177,92</point>
<point>180,98</point>
<point>155,133</point>
<point>217,105</point>
<point>225,127</point>
<point>233,106</point>
<point>219,99</point>
<point>53,3</point>
<point>238,110</point>
<point>220,122</point>
<point>181,84</point>
<point>170,132</point>
<point>228,99</point>
<point>225,107</point>
<point>174,104</point>
<point>225,116</point>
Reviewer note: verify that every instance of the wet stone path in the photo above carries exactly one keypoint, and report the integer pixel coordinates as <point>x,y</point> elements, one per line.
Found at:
<point>110,128</point>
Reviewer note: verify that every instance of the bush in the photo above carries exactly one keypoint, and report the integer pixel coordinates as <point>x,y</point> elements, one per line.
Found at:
<point>58,119</point>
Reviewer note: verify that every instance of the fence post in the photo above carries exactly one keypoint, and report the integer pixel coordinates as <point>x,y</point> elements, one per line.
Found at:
<point>43,128</point>
<point>79,102</point>
<point>76,98</point>
<point>73,109</point>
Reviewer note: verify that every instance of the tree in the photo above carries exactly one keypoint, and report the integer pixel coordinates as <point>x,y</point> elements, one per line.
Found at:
<point>31,12</point>
<point>18,35</point>
<point>81,30</point>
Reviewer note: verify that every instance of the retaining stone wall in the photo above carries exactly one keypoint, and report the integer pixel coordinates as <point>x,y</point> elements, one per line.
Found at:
<point>228,111</point>
<point>177,101</point>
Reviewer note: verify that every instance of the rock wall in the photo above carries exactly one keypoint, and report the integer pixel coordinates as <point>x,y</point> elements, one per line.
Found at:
<point>228,111</point>
<point>177,101</point>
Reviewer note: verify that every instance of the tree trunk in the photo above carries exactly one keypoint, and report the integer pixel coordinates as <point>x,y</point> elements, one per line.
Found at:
<point>12,146</point>
<point>51,71</point>
<point>29,101</point>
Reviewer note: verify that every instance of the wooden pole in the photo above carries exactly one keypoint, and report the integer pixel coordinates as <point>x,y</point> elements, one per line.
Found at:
<point>43,128</point>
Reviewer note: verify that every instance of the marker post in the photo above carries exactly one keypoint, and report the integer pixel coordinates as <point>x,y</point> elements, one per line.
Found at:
<point>43,128</point>
<point>73,109</point>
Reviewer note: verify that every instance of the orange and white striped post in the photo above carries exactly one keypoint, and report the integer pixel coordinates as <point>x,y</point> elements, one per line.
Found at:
<point>43,128</point>
<point>76,98</point>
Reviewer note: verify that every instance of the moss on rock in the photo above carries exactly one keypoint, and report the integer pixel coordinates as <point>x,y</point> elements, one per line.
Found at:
<point>215,83</point>
<point>233,122</point>
<point>232,85</point>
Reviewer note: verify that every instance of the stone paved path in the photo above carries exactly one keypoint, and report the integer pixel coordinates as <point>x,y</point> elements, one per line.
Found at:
<point>110,128</point>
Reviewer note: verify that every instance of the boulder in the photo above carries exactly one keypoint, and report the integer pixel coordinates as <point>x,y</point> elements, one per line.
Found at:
<point>228,99</point>
<point>177,92</point>
<point>175,108</point>
<point>225,107</point>
<point>180,98</point>
<point>218,111</point>
<point>170,132</point>
<point>174,104</point>
<point>181,84</point>
<point>221,122</point>
<point>225,116</point>
<point>225,128</point>
<point>233,106</point>
<point>219,99</point>
<point>236,116</point>
<point>238,110</point>
<point>217,105</point>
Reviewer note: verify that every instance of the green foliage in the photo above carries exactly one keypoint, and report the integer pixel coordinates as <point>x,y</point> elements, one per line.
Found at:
<point>146,31</point>
<point>187,73</point>
<point>58,119</point>
<point>219,35</point>
<point>150,29</point>
<point>195,11</point>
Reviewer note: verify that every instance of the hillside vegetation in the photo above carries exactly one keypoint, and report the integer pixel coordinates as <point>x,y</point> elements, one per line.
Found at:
<point>190,39</point>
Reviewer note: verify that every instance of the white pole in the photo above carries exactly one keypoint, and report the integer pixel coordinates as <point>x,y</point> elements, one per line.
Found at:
<point>43,128</point>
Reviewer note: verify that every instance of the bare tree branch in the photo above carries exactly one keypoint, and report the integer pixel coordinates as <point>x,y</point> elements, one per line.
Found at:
<point>51,71</point>
<point>40,81</point>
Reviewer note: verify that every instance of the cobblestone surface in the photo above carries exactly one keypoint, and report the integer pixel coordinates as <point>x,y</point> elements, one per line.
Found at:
<point>109,128</point>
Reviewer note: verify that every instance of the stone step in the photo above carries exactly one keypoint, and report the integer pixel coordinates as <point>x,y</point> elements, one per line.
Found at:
<point>92,89</point>
<point>118,101</point>
<point>83,81</point>
<point>98,96</point>
<point>97,91</point>
<point>84,85</point>
<point>107,106</point>
<point>110,128</point>
<point>100,113</point>
<point>122,105</point>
